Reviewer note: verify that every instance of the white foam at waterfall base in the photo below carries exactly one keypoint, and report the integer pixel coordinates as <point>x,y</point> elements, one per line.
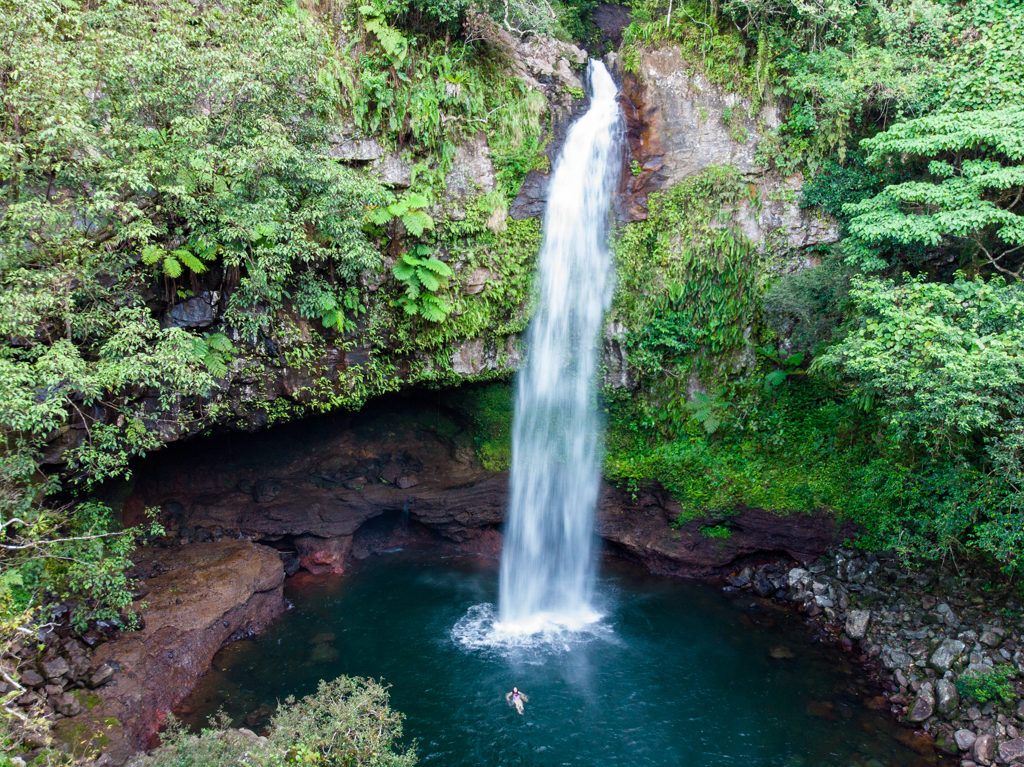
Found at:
<point>547,565</point>
<point>480,630</point>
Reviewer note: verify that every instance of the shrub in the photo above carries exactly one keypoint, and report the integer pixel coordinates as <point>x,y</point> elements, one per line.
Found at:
<point>345,723</point>
<point>985,686</point>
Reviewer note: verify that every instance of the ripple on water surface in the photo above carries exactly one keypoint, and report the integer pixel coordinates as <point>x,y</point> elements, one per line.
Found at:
<point>666,674</point>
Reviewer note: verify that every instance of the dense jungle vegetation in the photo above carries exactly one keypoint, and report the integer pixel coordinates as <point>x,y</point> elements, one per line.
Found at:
<point>153,152</point>
<point>887,379</point>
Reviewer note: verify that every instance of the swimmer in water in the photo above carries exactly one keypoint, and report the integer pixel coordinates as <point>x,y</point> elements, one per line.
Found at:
<point>517,699</point>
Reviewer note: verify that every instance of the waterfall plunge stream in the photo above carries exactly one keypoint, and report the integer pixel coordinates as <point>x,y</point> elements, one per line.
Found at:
<point>547,564</point>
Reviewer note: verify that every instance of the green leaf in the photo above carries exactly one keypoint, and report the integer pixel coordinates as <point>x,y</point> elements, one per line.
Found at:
<point>189,260</point>
<point>417,222</point>
<point>438,267</point>
<point>434,309</point>
<point>152,254</point>
<point>172,267</point>
<point>332,319</point>
<point>220,342</point>
<point>403,270</point>
<point>428,279</point>
<point>415,200</point>
<point>775,379</point>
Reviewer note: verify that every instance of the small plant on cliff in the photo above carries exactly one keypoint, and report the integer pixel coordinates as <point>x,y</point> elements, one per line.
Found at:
<point>409,209</point>
<point>336,310</point>
<point>216,352</point>
<point>423,275</point>
<point>716,532</point>
<point>992,685</point>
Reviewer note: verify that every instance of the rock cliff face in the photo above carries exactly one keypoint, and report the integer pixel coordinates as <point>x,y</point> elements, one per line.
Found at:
<point>195,598</point>
<point>347,485</point>
<point>678,123</point>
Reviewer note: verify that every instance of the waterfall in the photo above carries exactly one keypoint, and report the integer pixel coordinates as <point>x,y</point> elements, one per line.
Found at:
<point>547,564</point>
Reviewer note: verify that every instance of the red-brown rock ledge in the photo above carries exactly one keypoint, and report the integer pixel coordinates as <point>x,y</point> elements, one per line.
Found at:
<point>197,597</point>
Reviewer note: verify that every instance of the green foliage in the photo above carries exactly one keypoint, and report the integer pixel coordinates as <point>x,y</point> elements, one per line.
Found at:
<point>422,276</point>
<point>706,40</point>
<point>76,554</point>
<point>172,263</point>
<point>943,358</point>
<point>716,532</point>
<point>346,723</point>
<point>489,408</point>
<point>971,191</point>
<point>216,352</point>
<point>793,452</point>
<point>784,367</point>
<point>987,686</point>
<point>941,366</point>
<point>985,55</point>
<point>317,299</point>
<point>806,306</point>
<point>833,186</point>
<point>708,410</point>
<point>409,209</point>
<point>689,284</point>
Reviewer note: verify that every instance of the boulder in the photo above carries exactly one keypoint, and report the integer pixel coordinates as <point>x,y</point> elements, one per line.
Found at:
<point>796,577</point>
<point>391,170</point>
<point>1012,751</point>
<point>103,674</point>
<point>66,704</point>
<point>947,616</point>
<point>991,637</point>
<point>31,678</point>
<point>964,739</point>
<point>857,623</point>
<point>55,668</point>
<point>946,654</point>
<point>353,149</point>
<point>478,355</point>
<point>984,749</point>
<point>199,311</point>
<point>947,699</point>
<point>923,706</point>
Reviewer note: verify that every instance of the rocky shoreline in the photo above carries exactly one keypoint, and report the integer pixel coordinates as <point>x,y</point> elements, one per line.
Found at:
<point>932,638</point>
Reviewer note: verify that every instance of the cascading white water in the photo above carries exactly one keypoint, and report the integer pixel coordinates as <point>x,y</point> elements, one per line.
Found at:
<point>547,564</point>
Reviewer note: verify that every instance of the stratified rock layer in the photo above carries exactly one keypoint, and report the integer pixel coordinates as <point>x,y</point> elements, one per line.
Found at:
<point>355,483</point>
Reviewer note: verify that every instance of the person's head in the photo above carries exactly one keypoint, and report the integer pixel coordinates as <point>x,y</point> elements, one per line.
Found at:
<point>515,689</point>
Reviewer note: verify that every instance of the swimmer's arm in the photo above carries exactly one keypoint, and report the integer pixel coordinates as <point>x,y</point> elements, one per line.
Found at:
<point>523,696</point>
<point>508,696</point>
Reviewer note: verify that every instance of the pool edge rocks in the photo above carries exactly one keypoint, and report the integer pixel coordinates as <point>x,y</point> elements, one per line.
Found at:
<point>919,634</point>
